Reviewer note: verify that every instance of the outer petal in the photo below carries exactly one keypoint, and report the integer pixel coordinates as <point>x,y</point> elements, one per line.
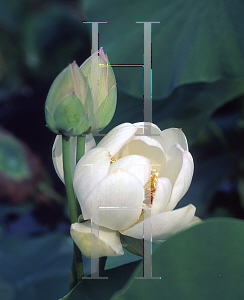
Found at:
<point>120,198</point>
<point>57,153</point>
<point>183,180</point>
<point>91,168</point>
<point>171,137</point>
<point>173,165</point>
<point>163,225</point>
<point>109,240</point>
<point>137,165</point>
<point>162,196</point>
<point>117,137</point>
<point>196,220</point>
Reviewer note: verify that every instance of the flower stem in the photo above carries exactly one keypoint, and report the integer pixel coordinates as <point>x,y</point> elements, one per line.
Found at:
<point>77,266</point>
<point>80,151</point>
<point>68,179</point>
<point>80,147</point>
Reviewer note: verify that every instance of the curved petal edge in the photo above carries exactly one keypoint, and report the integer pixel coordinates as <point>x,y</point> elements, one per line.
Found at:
<point>107,243</point>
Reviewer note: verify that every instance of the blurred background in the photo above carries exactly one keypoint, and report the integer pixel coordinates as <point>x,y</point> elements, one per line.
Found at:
<point>198,85</point>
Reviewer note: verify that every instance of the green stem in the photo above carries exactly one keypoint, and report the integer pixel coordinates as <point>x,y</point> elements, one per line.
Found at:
<point>73,276</point>
<point>81,140</point>
<point>68,179</point>
<point>77,266</point>
<point>79,263</point>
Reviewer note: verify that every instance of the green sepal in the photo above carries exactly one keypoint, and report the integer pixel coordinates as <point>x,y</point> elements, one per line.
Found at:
<point>81,219</point>
<point>132,245</point>
<point>107,108</point>
<point>68,105</point>
<point>70,116</point>
<point>50,121</point>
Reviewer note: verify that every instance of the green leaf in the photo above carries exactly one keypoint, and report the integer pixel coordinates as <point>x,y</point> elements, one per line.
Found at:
<point>102,289</point>
<point>196,41</point>
<point>35,268</point>
<point>203,262</point>
<point>210,172</point>
<point>190,106</point>
<point>52,37</point>
<point>132,245</point>
<point>197,57</point>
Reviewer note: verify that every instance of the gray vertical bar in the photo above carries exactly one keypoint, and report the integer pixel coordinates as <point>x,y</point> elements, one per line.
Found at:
<point>95,37</point>
<point>147,73</point>
<point>147,90</point>
<point>95,79</point>
<point>95,97</point>
<point>147,232</point>
<point>147,255</point>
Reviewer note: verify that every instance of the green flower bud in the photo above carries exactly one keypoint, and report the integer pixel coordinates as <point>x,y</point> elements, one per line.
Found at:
<point>103,87</point>
<point>68,103</point>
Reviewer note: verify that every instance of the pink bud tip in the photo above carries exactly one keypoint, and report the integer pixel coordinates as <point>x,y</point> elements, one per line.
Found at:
<point>102,54</point>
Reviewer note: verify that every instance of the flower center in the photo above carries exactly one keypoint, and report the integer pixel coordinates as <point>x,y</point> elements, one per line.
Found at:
<point>150,187</point>
<point>150,190</point>
<point>112,160</point>
<point>154,179</point>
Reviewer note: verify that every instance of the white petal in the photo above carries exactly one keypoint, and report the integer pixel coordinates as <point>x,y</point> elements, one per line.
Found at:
<point>162,195</point>
<point>173,165</point>
<point>57,156</point>
<point>173,136</point>
<point>108,240</point>
<point>196,220</point>
<point>91,168</point>
<point>120,198</point>
<point>57,153</point>
<point>117,137</point>
<point>163,225</point>
<point>147,147</point>
<point>137,165</point>
<point>183,180</point>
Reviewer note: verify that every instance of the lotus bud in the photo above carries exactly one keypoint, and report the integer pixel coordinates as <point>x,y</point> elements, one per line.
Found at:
<point>68,103</point>
<point>102,82</point>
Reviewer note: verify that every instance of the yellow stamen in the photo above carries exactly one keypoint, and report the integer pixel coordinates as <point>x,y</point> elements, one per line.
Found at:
<point>154,178</point>
<point>151,187</point>
<point>112,160</point>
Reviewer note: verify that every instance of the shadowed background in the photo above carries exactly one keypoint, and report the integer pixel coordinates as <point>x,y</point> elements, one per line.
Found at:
<point>197,85</point>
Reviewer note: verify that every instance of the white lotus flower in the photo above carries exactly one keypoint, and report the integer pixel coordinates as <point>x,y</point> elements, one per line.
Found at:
<point>143,176</point>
